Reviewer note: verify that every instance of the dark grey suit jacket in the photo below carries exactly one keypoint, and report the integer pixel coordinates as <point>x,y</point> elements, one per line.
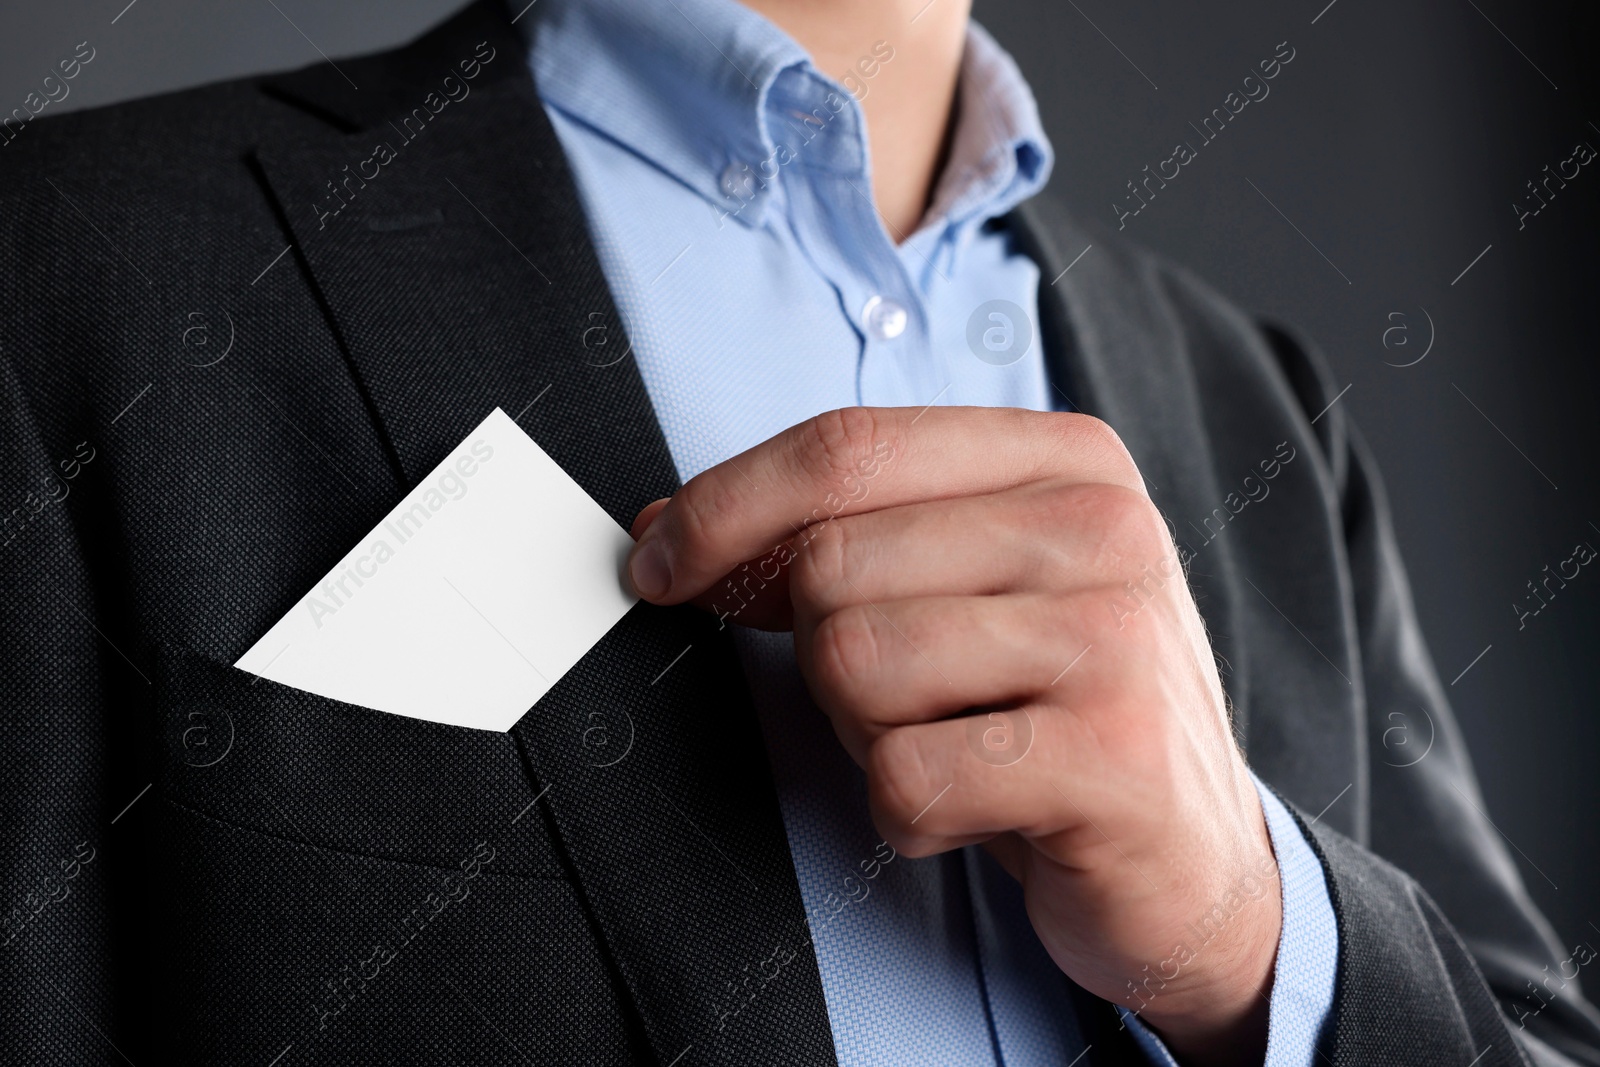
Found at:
<point>206,868</point>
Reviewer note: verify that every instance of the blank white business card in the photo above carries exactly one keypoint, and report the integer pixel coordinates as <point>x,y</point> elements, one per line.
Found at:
<point>484,586</point>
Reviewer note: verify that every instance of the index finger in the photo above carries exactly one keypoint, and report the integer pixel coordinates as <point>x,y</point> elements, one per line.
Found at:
<point>854,460</point>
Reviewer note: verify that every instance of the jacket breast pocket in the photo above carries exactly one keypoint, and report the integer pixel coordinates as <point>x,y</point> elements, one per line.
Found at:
<point>307,768</point>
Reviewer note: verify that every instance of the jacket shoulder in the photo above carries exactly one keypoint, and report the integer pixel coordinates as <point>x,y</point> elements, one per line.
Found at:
<point>1217,335</point>
<point>186,128</point>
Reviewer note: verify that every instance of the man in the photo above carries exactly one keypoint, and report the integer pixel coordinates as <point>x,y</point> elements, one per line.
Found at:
<point>831,397</point>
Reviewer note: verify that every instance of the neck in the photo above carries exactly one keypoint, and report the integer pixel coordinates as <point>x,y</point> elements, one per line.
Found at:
<point>903,73</point>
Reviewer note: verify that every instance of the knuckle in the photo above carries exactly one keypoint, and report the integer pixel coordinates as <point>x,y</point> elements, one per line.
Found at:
<point>1140,738</point>
<point>1127,523</point>
<point>1099,433</point>
<point>699,510</point>
<point>847,650</point>
<point>1087,435</point>
<point>898,785</point>
<point>1060,505</point>
<point>833,443</point>
<point>819,566</point>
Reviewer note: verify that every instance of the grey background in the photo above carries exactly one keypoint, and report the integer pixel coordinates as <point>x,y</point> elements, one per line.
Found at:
<point>1396,142</point>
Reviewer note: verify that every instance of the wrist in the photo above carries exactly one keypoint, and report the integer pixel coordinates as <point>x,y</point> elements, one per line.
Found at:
<point>1229,1030</point>
<point>1222,1017</point>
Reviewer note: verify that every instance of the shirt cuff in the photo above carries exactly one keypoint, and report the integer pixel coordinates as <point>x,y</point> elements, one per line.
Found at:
<point>1308,953</point>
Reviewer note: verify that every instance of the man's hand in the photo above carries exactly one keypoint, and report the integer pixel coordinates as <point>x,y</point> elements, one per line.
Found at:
<point>991,611</point>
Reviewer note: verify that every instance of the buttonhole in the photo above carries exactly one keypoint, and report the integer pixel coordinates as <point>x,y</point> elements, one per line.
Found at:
<point>392,223</point>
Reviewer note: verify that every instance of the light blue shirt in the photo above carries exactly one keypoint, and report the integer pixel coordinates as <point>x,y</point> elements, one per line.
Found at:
<point>727,186</point>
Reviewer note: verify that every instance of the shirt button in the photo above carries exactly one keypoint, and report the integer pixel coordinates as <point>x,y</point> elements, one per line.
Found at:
<point>738,181</point>
<point>884,319</point>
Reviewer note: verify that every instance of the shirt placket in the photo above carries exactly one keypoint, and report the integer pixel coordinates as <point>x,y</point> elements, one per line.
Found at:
<point>830,200</point>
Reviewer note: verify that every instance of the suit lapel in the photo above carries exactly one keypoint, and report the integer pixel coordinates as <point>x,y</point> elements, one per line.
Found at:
<point>459,276</point>
<point>1122,350</point>
<point>1116,348</point>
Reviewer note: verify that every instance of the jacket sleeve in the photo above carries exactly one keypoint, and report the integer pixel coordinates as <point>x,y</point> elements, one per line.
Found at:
<point>1443,955</point>
<point>55,944</point>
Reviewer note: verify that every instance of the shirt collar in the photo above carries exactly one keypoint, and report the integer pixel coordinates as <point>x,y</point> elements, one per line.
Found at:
<point>999,154</point>
<point>703,88</point>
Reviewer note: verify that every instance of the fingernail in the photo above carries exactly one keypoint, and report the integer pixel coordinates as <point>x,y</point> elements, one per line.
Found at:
<point>649,570</point>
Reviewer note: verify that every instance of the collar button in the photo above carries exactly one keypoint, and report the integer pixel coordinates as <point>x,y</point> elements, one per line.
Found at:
<point>738,181</point>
